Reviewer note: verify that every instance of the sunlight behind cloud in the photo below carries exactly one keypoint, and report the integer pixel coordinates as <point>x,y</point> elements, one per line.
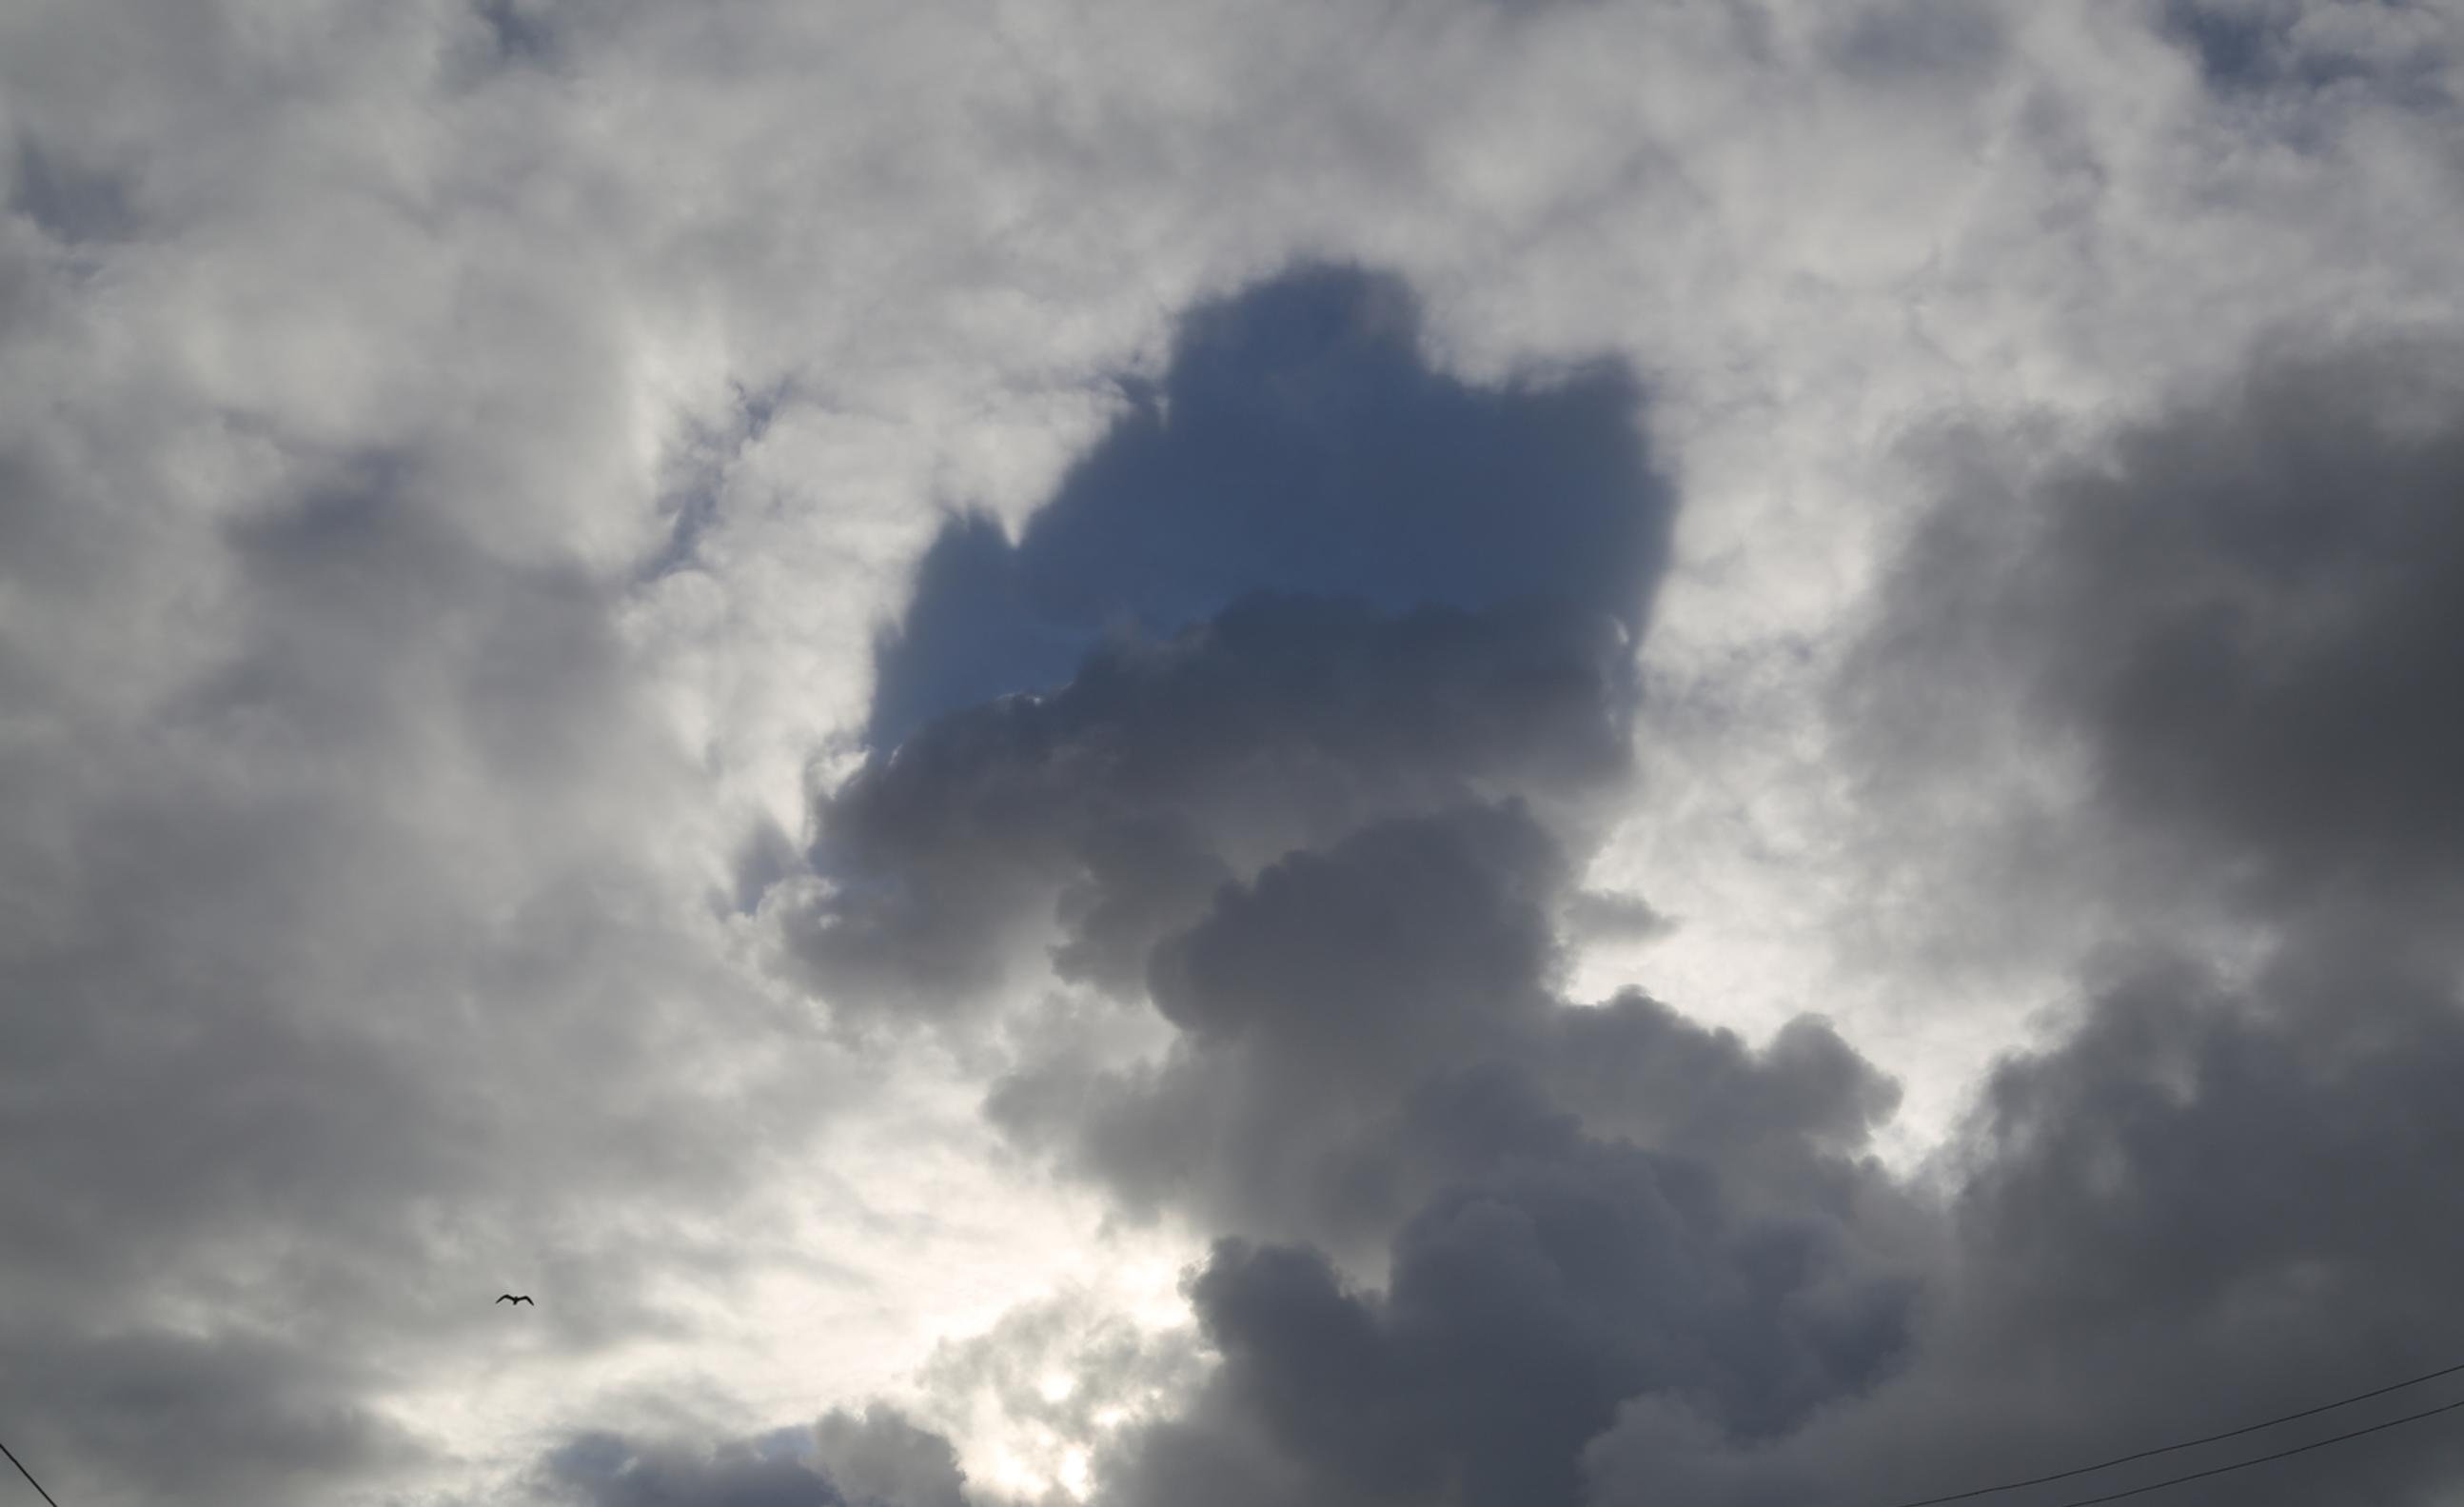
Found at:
<point>1066,756</point>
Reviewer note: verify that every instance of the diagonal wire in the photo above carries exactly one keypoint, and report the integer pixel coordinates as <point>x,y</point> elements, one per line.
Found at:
<point>2241,1465</point>
<point>28,1474</point>
<point>2230,1433</point>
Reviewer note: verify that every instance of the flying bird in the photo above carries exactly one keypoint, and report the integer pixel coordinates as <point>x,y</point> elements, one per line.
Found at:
<point>511,1298</point>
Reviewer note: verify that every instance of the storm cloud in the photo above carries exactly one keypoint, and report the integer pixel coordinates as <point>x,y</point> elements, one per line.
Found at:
<point>1335,841</point>
<point>1305,583</point>
<point>2237,617</point>
<point>1704,752</point>
<point>1112,807</point>
<point>1566,1206</point>
<point>1479,1243</point>
<point>2241,621</point>
<point>2217,1201</point>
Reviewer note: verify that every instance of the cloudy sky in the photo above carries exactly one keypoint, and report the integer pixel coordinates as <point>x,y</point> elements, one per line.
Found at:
<point>1354,753</point>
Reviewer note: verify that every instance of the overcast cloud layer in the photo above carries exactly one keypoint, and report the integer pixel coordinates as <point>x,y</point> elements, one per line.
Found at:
<point>1479,753</point>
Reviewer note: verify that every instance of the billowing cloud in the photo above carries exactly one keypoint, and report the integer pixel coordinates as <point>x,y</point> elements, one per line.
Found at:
<point>1103,816</point>
<point>1184,506</point>
<point>2219,1200</point>
<point>1305,583</point>
<point>1362,1025</point>
<point>2236,627</point>
<point>1484,1245</point>
<point>1335,843</point>
<point>1566,1206</point>
<point>2227,618</point>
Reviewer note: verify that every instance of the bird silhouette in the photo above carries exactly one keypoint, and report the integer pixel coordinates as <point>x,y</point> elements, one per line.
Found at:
<point>511,1298</point>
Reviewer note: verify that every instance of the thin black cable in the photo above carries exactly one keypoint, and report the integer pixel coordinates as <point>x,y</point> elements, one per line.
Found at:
<point>2243,1465</point>
<point>2167,1449</point>
<point>28,1474</point>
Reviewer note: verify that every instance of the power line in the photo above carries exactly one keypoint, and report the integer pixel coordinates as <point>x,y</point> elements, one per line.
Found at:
<point>2241,1465</point>
<point>2230,1433</point>
<point>28,1474</point>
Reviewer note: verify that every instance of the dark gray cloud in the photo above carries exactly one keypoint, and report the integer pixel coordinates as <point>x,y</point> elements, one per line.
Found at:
<point>1113,807</point>
<point>1306,582</point>
<point>1309,1005</point>
<point>1336,842</point>
<point>2213,1203</point>
<point>1500,1248</point>
<point>2197,1147</point>
<point>1572,1206</point>
<point>1410,937</point>
<point>2248,618</point>
<point>2224,1193</point>
<point>873,1458</point>
<point>1520,1310</point>
<point>1359,1024</point>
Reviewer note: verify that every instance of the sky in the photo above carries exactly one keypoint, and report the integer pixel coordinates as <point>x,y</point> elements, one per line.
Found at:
<point>1366,753</point>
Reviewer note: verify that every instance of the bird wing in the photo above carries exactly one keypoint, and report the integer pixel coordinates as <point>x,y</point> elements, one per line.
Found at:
<point>506,1298</point>
<point>527,1298</point>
